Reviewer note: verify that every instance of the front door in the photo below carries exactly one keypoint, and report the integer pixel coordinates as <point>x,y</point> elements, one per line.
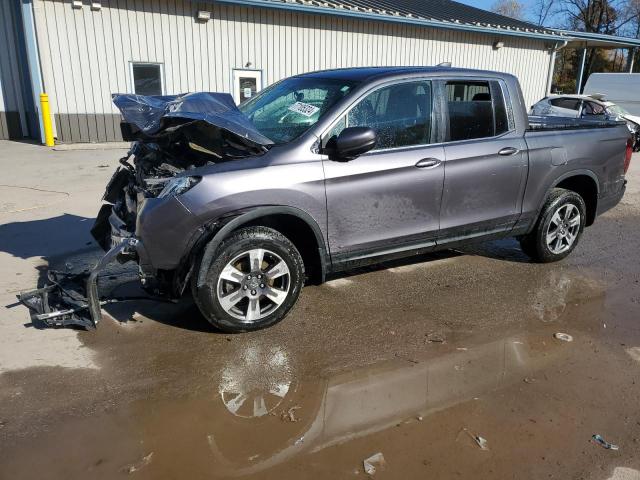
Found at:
<point>486,163</point>
<point>246,83</point>
<point>387,199</point>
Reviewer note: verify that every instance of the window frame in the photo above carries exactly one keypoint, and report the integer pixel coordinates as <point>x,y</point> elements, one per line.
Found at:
<point>344,115</point>
<point>505,98</point>
<point>132,79</point>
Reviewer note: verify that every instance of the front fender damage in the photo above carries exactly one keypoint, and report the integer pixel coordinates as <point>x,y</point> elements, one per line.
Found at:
<point>171,136</point>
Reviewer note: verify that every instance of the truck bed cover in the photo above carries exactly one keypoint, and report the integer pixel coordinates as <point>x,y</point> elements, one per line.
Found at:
<point>537,122</point>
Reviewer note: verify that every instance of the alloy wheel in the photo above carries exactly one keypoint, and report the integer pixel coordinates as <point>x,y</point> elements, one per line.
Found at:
<point>563,228</point>
<point>253,284</point>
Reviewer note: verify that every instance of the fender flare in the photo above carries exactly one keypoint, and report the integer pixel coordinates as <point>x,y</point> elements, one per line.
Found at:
<point>233,220</point>
<point>576,173</point>
<point>555,183</point>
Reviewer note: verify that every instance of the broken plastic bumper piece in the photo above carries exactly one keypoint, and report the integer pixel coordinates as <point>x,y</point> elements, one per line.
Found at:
<point>73,299</point>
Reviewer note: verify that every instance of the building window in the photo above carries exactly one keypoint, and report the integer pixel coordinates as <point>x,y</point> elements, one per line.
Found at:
<point>147,78</point>
<point>246,83</point>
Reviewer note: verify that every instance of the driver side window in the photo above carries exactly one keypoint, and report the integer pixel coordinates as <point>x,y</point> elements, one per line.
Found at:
<point>400,114</point>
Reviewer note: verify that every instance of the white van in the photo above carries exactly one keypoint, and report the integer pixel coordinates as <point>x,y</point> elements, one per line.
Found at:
<point>620,88</point>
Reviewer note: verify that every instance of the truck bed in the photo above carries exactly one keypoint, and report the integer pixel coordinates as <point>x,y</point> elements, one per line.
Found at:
<point>538,122</point>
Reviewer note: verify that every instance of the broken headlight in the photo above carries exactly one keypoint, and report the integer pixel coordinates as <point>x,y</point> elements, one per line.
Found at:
<point>178,186</point>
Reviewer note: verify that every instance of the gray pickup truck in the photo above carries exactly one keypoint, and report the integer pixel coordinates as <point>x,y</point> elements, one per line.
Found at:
<point>335,169</point>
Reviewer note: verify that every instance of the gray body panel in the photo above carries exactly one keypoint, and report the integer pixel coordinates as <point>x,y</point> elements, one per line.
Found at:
<point>557,155</point>
<point>382,197</point>
<point>482,189</point>
<point>381,202</point>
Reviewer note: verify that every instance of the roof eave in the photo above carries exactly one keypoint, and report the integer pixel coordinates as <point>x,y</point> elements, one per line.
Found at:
<point>504,31</point>
<point>599,40</point>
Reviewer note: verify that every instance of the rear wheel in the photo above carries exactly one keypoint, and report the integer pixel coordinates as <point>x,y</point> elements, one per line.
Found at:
<point>558,229</point>
<point>253,282</point>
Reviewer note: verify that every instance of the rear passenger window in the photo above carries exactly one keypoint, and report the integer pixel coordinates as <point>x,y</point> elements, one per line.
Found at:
<point>591,108</point>
<point>476,110</point>
<point>400,114</point>
<point>568,103</point>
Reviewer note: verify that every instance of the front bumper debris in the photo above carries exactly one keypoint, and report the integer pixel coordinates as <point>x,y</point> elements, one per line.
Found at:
<point>73,299</point>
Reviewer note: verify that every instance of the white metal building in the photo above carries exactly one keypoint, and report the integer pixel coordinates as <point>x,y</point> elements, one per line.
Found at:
<point>81,51</point>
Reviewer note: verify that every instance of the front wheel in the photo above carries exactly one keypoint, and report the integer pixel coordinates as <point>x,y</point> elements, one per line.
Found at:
<point>253,282</point>
<point>558,229</point>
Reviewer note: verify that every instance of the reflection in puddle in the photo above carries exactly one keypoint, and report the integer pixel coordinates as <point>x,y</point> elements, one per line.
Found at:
<point>256,382</point>
<point>220,408</point>
<point>368,400</point>
<point>634,352</point>
<point>622,473</point>
<point>550,299</point>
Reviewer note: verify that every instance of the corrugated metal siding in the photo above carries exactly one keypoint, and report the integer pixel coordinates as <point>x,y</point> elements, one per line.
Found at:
<point>12,113</point>
<point>86,54</point>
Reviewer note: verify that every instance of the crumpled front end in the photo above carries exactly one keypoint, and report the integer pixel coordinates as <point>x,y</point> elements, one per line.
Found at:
<point>171,135</point>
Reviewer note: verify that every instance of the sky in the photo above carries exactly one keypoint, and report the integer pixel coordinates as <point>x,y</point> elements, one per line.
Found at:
<point>484,4</point>
<point>487,4</point>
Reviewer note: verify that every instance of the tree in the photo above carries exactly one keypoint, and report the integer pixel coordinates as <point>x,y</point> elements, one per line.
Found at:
<point>633,30</point>
<point>541,10</point>
<point>595,16</point>
<point>509,8</point>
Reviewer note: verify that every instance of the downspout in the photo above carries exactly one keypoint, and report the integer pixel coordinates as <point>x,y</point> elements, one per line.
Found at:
<point>552,63</point>
<point>33,59</point>
<point>581,73</point>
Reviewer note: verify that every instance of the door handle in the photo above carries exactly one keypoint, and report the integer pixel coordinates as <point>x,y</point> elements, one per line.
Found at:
<point>508,151</point>
<point>428,163</point>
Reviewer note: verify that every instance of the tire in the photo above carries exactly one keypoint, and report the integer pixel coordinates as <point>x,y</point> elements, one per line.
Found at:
<point>240,296</point>
<point>564,233</point>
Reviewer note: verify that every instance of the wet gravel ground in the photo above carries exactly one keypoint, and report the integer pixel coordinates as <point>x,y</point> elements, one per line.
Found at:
<point>416,361</point>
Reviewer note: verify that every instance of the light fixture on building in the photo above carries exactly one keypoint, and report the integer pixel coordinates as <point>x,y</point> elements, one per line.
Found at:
<point>498,45</point>
<point>248,65</point>
<point>76,4</point>
<point>95,6</point>
<point>203,16</point>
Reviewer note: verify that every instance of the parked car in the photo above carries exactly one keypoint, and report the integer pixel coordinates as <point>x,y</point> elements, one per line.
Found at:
<point>329,170</point>
<point>589,107</point>
<point>623,89</point>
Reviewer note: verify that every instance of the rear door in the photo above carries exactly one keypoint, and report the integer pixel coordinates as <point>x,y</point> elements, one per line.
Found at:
<point>485,161</point>
<point>388,198</point>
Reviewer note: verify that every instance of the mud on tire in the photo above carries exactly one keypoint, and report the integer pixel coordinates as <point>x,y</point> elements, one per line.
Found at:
<point>253,282</point>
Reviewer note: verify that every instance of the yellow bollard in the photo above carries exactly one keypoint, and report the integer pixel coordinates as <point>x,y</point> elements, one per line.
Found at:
<point>46,120</point>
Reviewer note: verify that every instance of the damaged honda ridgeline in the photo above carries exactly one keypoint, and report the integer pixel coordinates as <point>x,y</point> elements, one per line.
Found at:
<point>329,170</point>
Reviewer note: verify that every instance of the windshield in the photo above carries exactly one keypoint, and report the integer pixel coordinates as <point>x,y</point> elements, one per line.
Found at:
<point>617,110</point>
<point>287,109</point>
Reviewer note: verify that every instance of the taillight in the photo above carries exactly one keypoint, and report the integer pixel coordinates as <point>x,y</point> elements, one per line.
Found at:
<point>627,155</point>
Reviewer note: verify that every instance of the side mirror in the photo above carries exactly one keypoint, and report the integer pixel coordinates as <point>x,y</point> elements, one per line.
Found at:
<point>353,142</point>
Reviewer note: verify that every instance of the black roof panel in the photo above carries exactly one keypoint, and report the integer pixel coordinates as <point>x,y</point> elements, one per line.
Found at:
<point>360,74</point>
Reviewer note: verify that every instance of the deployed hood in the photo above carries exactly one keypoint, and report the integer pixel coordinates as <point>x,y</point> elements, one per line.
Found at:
<point>156,116</point>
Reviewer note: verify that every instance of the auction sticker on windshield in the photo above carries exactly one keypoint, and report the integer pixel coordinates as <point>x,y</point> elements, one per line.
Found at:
<point>303,109</point>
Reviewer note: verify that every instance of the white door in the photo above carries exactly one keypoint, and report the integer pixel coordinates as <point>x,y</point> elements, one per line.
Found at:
<point>246,83</point>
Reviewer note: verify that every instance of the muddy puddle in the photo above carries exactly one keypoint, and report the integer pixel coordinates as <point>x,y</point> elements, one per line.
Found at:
<point>415,361</point>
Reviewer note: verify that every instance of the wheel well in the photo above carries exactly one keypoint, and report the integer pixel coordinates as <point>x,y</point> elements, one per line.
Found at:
<point>587,188</point>
<point>300,234</point>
